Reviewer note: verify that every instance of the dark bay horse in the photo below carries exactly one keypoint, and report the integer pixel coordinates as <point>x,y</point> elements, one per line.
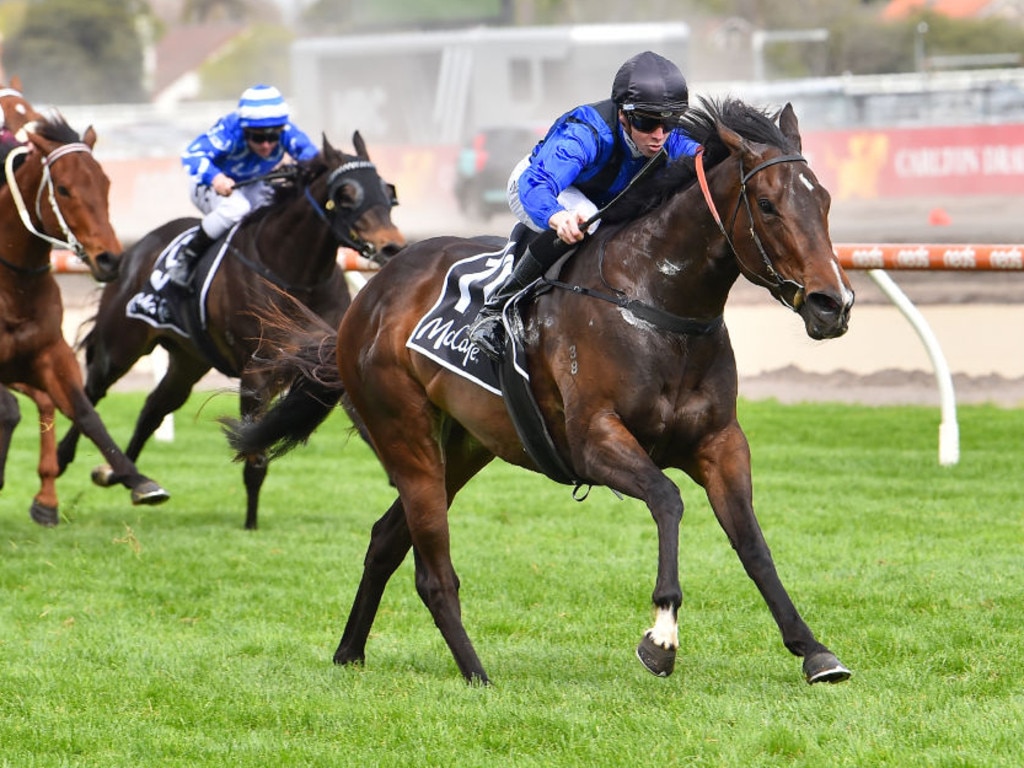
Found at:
<point>54,193</point>
<point>289,247</point>
<point>630,364</point>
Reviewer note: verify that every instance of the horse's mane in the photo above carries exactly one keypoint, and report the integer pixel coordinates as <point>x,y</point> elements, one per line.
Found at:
<point>701,124</point>
<point>54,127</point>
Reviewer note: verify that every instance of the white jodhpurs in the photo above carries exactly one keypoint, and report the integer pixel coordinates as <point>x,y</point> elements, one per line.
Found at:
<point>222,213</point>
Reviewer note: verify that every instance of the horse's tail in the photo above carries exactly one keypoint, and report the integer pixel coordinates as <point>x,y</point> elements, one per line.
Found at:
<point>289,423</point>
<point>303,361</point>
<point>85,341</point>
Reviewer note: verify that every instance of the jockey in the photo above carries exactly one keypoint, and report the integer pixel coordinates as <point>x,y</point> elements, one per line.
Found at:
<point>242,145</point>
<point>587,157</point>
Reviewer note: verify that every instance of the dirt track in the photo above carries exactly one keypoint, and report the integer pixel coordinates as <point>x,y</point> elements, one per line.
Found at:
<point>977,317</point>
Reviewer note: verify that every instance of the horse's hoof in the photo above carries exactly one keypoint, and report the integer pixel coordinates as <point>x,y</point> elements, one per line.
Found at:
<point>44,514</point>
<point>659,661</point>
<point>149,492</point>
<point>103,476</point>
<point>824,667</point>
<point>344,658</point>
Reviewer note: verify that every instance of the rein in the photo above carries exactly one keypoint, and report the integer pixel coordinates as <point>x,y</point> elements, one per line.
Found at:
<point>657,317</point>
<point>71,243</point>
<point>787,291</point>
<point>268,274</point>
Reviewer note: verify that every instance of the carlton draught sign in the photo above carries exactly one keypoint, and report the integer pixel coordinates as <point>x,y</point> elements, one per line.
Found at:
<point>919,162</point>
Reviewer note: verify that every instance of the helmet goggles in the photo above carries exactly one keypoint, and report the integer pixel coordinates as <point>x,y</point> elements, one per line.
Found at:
<point>650,121</point>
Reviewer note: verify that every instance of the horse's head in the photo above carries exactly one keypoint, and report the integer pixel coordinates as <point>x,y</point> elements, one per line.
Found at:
<point>359,203</point>
<point>70,202</point>
<point>778,229</point>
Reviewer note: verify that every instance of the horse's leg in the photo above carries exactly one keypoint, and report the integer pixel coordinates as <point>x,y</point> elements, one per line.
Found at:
<point>612,456</point>
<point>183,371</point>
<point>724,465</point>
<point>10,415</point>
<point>111,348</point>
<point>59,376</point>
<point>44,508</point>
<point>389,544</point>
<point>404,428</point>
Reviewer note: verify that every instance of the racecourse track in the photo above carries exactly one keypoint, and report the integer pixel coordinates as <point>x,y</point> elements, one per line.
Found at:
<point>976,316</point>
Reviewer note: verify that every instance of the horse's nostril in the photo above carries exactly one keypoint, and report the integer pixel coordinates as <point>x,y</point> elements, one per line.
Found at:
<point>824,304</point>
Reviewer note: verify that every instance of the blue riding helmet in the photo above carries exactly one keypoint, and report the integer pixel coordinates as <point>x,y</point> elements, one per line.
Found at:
<point>262,106</point>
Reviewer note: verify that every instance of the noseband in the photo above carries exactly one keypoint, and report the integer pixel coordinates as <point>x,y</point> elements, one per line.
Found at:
<point>789,292</point>
<point>46,183</point>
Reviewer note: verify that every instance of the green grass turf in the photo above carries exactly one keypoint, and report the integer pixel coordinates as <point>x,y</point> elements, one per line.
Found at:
<point>169,636</point>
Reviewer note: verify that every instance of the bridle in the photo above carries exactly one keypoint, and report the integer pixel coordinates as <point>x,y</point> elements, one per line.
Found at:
<point>789,292</point>
<point>343,225</point>
<point>46,183</point>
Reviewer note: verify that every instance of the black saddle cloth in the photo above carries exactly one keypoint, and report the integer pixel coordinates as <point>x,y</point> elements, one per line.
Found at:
<point>164,304</point>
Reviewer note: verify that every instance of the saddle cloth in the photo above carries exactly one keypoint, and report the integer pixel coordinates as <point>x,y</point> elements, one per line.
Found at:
<point>163,304</point>
<point>442,333</point>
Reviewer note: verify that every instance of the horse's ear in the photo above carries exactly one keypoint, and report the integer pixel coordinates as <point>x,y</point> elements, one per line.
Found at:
<point>16,83</point>
<point>89,137</point>
<point>360,146</point>
<point>735,143</point>
<point>790,126</point>
<point>327,148</point>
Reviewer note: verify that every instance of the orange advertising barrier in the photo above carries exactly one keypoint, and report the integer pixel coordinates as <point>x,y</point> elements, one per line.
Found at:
<point>916,256</point>
<point>65,262</point>
<point>1008,258</point>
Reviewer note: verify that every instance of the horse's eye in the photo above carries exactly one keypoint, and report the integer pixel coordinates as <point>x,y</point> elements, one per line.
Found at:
<point>765,205</point>
<point>63,191</point>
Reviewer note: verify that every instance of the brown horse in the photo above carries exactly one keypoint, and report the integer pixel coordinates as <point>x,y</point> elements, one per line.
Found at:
<point>288,247</point>
<point>55,193</point>
<point>16,113</point>
<point>630,364</point>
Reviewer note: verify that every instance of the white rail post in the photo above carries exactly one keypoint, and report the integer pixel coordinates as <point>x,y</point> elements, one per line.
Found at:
<point>949,430</point>
<point>158,359</point>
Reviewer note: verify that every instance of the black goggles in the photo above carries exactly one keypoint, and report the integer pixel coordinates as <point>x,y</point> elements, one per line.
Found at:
<point>650,123</point>
<point>270,136</point>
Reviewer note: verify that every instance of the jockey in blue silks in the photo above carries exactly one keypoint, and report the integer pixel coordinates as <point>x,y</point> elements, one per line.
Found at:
<point>587,157</point>
<point>244,144</point>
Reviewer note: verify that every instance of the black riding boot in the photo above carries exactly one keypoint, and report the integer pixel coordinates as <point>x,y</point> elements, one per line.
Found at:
<point>180,271</point>
<point>487,330</point>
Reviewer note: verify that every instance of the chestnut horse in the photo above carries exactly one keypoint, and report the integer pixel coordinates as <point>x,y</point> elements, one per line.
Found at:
<point>55,193</point>
<point>290,246</point>
<point>630,365</point>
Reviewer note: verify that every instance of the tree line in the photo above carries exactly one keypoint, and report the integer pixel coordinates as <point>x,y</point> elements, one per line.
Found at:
<point>93,51</point>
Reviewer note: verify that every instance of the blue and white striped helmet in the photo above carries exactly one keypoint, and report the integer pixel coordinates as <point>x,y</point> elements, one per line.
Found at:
<point>262,106</point>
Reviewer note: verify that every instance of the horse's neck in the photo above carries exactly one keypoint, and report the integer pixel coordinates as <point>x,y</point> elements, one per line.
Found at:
<point>294,242</point>
<point>18,245</point>
<point>680,257</point>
